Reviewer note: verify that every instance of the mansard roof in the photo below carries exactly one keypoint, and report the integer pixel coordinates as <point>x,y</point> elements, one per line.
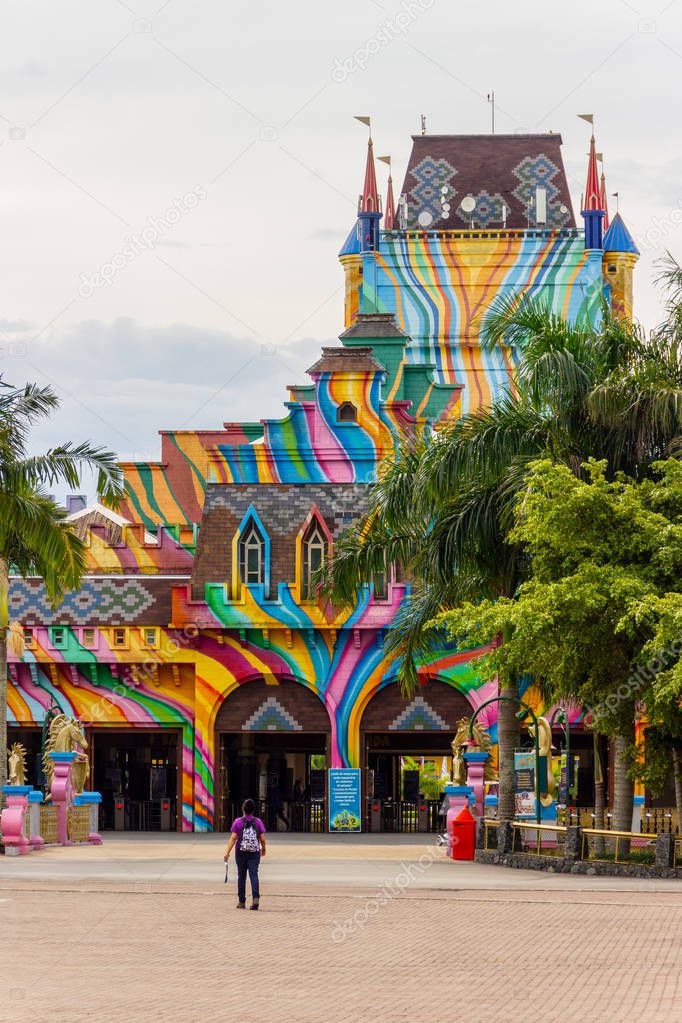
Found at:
<point>492,169</point>
<point>374,325</point>
<point>347,360</point>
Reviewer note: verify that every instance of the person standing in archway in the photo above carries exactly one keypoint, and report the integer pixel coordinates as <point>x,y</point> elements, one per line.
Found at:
<point>248,834</point>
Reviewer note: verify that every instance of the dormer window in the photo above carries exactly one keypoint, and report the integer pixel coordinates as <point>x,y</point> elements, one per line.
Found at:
<point>251,555</point>
<point>314,551</point>
<point>347,413</point>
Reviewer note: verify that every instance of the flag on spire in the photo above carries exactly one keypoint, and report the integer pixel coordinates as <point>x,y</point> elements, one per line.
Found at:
<point>389,215</point>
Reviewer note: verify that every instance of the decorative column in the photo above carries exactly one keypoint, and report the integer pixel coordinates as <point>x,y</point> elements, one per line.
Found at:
<point>92,800</point>
<point>13,820</point>
<point>62,792</point>
<point>475,774</point>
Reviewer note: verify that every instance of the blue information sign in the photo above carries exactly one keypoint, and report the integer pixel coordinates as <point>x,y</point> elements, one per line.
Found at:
<point>345,807</point>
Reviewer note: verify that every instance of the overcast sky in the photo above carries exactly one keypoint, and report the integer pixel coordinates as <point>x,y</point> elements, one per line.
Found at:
<point>238,116</point>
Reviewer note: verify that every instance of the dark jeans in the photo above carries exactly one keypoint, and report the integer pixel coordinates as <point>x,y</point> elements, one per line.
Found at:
<point>247,863</point>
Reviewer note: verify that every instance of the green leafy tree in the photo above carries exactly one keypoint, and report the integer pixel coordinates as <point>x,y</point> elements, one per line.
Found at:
<point>605,562</point>
<point>35,539</point>
<point>442,509</point>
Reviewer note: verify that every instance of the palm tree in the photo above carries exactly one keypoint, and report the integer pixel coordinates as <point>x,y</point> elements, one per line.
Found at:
<point>35,539</point>
<point>581,390</point>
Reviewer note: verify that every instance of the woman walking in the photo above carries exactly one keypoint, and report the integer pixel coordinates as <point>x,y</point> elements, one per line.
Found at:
<point>248,834</point>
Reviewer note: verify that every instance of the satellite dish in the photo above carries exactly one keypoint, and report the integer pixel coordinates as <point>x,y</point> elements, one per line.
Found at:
<point>444,190</point>
<point>445,208</point>
<point>424,219</point>
<point>446,214</point>
<point>468,204</point>
<point>563,209</point>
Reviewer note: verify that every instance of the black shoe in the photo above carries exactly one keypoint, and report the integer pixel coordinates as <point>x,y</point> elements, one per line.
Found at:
<point>255,904</point>
<point>241,905</point>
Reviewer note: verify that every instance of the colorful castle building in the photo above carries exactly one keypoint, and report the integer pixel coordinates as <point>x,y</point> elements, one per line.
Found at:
<point>196,653</point>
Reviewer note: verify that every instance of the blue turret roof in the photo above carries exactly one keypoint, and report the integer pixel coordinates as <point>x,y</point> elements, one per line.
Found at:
<point>352,245</point>
<point>618,238</point>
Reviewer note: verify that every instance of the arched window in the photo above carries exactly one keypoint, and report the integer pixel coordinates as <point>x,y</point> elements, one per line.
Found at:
<point>314,551</point>
<point>347,413</point>
<point>251,555</point>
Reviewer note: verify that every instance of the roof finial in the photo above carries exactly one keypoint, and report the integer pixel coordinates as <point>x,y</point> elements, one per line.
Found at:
<point>389,214</point>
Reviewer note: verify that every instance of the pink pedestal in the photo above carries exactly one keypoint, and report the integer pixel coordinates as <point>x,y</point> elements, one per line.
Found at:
<point>62,792</point>
<point>13,820</point>
<point>475,774</point>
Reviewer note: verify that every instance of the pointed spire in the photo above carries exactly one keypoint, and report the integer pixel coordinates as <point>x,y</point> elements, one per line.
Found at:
<point>389,215</point>
<point>369,200</point>
<point>592,199</point>
<point>604,201</point>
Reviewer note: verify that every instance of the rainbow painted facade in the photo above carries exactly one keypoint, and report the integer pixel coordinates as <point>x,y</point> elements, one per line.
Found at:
<point>197,615</point>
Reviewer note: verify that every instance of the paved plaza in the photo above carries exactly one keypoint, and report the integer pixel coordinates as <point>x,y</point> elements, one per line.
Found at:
<point>350,929</point>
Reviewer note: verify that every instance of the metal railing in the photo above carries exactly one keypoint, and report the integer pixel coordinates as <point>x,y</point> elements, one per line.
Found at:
<point>540,837</point>
<point>607,844</point>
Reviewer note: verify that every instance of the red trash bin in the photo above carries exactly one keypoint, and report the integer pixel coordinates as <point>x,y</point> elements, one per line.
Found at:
<point>463,835</point>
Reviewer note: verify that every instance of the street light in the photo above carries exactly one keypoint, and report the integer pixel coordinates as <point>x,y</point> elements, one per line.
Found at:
<point>520,715</point>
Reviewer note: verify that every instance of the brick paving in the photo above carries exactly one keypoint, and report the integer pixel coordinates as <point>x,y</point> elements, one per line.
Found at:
<point>148,951</point>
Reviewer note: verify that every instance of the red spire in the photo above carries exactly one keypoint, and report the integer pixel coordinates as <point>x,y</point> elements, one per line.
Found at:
<point>369,200</point>
<point>592,188</point>
<point>604,200</point>
<point>389,216</point>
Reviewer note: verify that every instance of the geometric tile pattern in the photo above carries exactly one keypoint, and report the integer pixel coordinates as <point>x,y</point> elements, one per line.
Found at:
<point>432,176</point>
<point>539,172</point>
<point>418,716</point>
<point>120,599</point>
<point>488,210</point>
<point>271,716</point>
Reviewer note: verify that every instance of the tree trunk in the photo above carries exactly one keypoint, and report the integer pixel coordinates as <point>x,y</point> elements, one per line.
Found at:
<point>599,794</point>
<point>623,791</point>
<point>507,739</point>
<point>4,623</point>
<point>677,775</point>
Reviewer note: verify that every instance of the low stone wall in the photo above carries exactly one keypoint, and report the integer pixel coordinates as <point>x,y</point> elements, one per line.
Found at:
<point>559,865</point>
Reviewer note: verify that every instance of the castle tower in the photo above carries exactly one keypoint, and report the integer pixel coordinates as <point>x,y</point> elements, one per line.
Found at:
<point>363,239</point>
<point>619,261</point>
<point>593,210</point>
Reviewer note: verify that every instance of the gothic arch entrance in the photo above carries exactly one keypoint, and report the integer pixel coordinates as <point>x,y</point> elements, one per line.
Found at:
<point>268,738</point>
<point>405,745</point>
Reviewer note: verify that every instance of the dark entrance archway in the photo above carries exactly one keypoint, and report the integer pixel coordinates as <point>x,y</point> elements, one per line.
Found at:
<point>407,754</point>
<point>137,770</point>
<point>273,744</point>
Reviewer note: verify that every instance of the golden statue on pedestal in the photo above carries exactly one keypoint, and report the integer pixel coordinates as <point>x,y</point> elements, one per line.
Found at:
<point>16,756</point>
<point>480,743</point>
<point>66,736</point>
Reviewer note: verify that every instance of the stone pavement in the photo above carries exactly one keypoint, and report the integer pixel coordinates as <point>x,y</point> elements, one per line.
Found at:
<point>397,934</point>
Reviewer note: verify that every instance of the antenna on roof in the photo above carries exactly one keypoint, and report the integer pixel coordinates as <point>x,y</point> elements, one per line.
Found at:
<point>491,100</point>
<point>423,122</point>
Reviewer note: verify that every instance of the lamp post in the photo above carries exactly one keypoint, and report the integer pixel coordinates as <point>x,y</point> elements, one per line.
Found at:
<point>561,717</point>
<point>520,715</point>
